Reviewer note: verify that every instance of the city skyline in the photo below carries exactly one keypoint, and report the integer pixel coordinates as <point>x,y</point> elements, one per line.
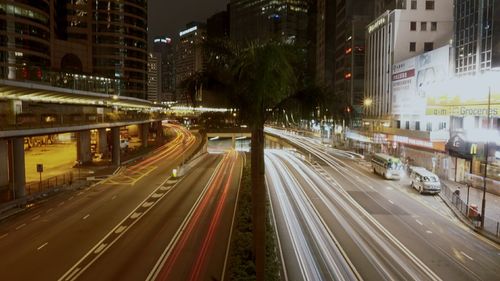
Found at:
<point>167,18</point>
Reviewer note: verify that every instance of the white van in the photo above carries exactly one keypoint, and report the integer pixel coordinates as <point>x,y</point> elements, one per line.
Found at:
<point>424,181</point>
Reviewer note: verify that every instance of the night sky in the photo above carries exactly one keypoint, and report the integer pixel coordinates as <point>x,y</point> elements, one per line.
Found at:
<point>168,17</point>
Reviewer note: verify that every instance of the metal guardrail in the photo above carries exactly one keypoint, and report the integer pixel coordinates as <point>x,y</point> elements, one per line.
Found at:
<point>33,188</point>
<point>470,212</point>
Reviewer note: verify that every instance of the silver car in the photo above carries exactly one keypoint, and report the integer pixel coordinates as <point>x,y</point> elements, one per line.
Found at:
<point>424,181</point>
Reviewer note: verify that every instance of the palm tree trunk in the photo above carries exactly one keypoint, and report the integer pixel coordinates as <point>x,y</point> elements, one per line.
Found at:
<point>258,200</point>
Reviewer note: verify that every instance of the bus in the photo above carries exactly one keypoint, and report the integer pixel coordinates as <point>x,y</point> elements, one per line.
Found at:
<point>387,166</point>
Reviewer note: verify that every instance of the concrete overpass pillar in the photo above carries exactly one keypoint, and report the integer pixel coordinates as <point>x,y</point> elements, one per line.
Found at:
<point>233,141</point>
<point>83,147</point>
<point>115,138</point>
<point>144,134</point>
<point>4,162</point>
<point>159,132</point>
<point>18,167</point>
<point>102,142</point>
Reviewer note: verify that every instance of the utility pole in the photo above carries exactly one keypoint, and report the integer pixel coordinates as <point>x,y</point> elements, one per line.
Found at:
<point>486,152</point>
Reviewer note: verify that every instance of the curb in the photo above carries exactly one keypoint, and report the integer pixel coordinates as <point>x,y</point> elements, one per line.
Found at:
<point>459,216</point>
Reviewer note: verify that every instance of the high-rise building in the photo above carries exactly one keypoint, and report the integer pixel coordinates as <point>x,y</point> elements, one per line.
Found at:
<point>119,43</point>
<point>266,19</point>
<point>154,76</point>
<point>25,36</point>
<point>164,49</point>
<point>104,38</point>
<point>351,18</point>
<point>397,35</point>
<point>477,36</point>
<point>218,26</point>
<point>189,58</point>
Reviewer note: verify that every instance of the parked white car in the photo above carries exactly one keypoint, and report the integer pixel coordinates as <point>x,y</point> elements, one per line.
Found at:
<point>424,181</point>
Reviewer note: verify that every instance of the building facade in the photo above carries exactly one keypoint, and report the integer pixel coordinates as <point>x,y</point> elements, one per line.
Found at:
<point>189,58</point>
<point>398,35</point>
<point>26,38</point>
<point>351,18</point>
<point>164,49</point>
<point>154,76</point>
<point>265,19</point>
<point>103,38</point>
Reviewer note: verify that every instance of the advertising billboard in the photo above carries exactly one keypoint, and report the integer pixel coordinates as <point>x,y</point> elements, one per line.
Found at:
<point>414,78</point>
<point>466,96</point>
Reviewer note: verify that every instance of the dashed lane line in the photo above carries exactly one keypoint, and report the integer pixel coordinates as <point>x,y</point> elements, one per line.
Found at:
<point>467,256</point>
<point>86,216</point>
<point>20,226</point>
<point>41,246</point>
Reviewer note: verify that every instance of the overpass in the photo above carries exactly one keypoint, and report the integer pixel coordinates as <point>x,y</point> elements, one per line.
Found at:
<point>233,133</point>
<point>30,108</point>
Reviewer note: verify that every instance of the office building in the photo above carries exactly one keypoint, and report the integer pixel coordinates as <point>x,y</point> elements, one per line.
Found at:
<point>265,19</point>
<point>397,35</point>
<point>102,38</point>
<point>351,18</point>
<point>189,59</point>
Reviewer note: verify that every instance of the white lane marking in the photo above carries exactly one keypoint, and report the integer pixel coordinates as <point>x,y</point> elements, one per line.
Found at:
<point>114,197</point>
<point>466,256</point>
<point>41,246</point>
<point>371,187</point>
<point>80,193</point>
<point>5,235</point>
<point>21,226</point>
<point>86,216</point>
<point>147,204</point>
<point>100,248</point>
<point>50,210</point>
<point>156,195</point>
<point>389,188</point>
<point>390,201</point>
<point>428,231</point>
<point>72,273</point>
<point>135,215</point>
<point>120,229</point>
<point>35,217</point>
<point>60,204</point>
<point>419,222</point>
<point>71,198</point>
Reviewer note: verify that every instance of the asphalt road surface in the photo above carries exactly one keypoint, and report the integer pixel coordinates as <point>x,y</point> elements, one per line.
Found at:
<point>121,228</point>
<point>387,230</point>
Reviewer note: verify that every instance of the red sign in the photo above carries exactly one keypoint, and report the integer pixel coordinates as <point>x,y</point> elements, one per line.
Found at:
<point>403,75</point>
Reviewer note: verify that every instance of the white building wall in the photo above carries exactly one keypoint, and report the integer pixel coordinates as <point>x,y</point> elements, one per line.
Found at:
<point>388,41</point>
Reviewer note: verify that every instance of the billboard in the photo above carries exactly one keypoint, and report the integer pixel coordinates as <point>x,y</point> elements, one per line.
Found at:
<point>466,96</point>
<point>414,78</point>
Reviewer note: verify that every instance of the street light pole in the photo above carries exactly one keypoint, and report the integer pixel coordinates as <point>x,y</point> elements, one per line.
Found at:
<point>486,152</point>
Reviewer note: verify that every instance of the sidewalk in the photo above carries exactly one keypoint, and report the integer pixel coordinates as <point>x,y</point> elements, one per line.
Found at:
<point>455,196</point>
<point>492,209</point>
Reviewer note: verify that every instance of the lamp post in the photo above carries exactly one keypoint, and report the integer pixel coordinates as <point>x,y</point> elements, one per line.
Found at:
<point>486,152</point>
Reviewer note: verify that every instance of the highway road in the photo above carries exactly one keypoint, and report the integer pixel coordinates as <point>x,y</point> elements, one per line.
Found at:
<point>389,231</point>
<point>122,228</point>
<point>308,250</point>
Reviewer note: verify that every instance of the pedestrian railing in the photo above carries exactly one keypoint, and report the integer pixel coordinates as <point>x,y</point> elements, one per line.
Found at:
<point>49,184</point>
<point>470,211</point>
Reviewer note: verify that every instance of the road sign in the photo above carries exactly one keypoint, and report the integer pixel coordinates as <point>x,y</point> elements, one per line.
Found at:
<point>39,168</point>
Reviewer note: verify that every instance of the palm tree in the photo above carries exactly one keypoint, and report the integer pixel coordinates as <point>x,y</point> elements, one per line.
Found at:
<point>258,77</point>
